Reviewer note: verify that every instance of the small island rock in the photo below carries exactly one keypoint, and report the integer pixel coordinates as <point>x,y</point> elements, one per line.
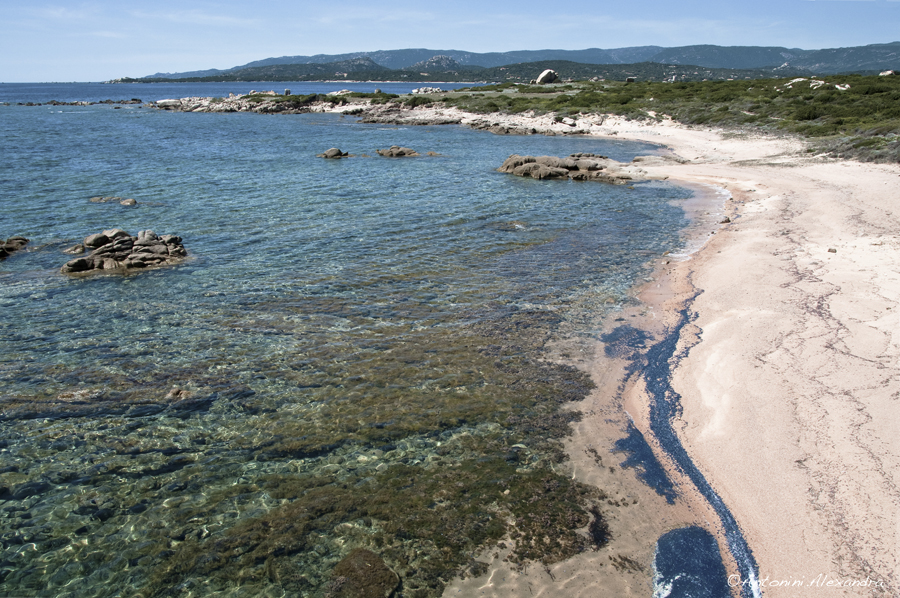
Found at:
<point>395,151</point>
<point>116,250</point>
<point>333,153</point>
<point>12,244</point>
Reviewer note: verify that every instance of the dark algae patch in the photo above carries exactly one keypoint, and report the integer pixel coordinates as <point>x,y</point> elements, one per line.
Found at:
<point>665,406</point>
<point>229,491</point>
<point>641,458</point>
<point>362,574</point>
<point>688,565</point>
<point>423,480</point>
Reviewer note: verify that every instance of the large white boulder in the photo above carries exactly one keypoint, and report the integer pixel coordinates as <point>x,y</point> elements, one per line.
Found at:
<point>548,76</point>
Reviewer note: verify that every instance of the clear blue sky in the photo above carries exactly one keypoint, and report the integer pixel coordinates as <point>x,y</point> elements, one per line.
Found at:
<point>105,39</point>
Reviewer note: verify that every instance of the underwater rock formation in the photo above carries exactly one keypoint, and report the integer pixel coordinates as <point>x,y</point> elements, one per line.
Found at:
<point>395,151</point>
<point>363,574</point>
<point>333,153</point>
<point>11,245</point>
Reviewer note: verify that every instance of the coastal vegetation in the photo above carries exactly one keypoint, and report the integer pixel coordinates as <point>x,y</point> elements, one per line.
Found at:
<point>299,101</point>
<point>848,115</point>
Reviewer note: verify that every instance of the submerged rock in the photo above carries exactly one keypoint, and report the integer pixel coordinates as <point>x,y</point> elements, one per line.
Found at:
<point>577,167</point>
<point>116,250</point>
<point>395,151</point>
<point>11,245</point>
<point>363,574</point>
<point>113,198</point>
<point>333,153</point>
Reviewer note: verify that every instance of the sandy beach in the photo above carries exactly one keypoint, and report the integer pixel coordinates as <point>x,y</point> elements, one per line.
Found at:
<point>788,373</point>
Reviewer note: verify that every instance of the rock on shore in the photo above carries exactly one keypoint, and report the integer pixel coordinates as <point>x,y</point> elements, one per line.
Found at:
<point>577,167</point>
<point>115,250</point>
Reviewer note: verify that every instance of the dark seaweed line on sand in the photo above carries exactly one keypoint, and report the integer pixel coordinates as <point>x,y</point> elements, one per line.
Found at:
<point>665,405</point>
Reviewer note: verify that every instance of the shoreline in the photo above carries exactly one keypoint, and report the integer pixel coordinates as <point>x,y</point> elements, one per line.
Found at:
<point>790,368</point>
<point>786,368</point>
<point>787,372</point>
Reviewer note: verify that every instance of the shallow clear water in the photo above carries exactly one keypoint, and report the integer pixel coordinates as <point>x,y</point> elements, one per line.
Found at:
<point>350,357</point>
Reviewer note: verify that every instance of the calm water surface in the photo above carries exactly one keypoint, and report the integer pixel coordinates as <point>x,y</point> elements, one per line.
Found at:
<point>349,358</point>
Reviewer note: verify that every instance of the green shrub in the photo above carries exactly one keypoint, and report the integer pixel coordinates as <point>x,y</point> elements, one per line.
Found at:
<point>808,113</point>
<point>414,101</point>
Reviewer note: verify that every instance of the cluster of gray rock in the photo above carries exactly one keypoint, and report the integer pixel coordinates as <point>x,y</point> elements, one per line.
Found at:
<point>420,90</point>
<point>253,103</point>
<point>333,154</point>
<point>395,151</point>
<point>108,199</point>
<point>502,128</point>
<point>116,250</point>
<point>577,167</point>
<point>12,244</point>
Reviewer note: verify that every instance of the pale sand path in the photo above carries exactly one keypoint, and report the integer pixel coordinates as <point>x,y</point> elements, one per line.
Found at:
<point>790,375</point>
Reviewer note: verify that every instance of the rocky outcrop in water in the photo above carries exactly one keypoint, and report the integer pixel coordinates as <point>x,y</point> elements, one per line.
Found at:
<point>111,198</point>
<point>395,151</point>
<point>577,167</point>
<point>115,250</point>
<point>11,245</point>
<point>333,153</point>
<point>264,103</point>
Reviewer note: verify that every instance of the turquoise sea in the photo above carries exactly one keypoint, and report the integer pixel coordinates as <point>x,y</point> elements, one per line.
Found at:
<point>352,356</point>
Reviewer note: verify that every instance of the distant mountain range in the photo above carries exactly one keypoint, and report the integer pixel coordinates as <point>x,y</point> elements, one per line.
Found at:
<point>441,68</point>
<point>874,57</point>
